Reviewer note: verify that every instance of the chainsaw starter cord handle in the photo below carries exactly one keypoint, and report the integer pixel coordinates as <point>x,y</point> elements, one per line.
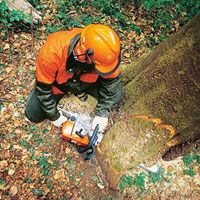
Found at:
<point>79,133</point>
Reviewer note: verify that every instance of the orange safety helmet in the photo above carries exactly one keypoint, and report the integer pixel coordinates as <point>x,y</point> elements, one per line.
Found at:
<point>100,45</point>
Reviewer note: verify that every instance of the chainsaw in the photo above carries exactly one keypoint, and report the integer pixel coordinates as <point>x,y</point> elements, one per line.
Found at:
<point>77,130</point>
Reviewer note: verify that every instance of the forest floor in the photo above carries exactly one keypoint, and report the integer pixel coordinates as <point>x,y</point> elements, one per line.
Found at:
<point>35,163</point>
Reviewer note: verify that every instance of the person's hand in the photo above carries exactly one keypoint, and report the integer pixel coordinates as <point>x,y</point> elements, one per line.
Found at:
<point>62,119</point>
<point>100,136</point>
<point>102,121</point>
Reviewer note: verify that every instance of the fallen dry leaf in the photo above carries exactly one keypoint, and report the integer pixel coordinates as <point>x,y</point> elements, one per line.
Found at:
<point>60,174</point>
<point>5,145</point>
<point>6,46</point>
<point>127,55</point>
<point>13,190</point>
<point>11,172</point>
<point>3,164</point>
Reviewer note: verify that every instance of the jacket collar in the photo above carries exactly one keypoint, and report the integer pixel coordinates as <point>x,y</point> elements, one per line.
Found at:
<point>73,43</point>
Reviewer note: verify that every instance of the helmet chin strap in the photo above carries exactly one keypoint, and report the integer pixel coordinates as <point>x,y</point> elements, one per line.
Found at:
<point>76,56</point>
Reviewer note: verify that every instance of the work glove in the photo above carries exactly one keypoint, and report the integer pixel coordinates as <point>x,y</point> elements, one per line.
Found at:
<point>102,121</point>
<point>62,119</point>
<point>100,136</point>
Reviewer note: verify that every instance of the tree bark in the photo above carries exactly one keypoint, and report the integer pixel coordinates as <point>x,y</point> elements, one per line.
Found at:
<point>162,105</point>
<point>26,7</point>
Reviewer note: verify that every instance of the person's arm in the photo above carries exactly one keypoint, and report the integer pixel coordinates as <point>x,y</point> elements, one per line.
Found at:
<point>46,70</point>
<point>110,93</point>
<point>45,95</point>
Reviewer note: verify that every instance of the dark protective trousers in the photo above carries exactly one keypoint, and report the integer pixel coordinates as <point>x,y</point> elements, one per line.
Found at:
<point>34,111</point>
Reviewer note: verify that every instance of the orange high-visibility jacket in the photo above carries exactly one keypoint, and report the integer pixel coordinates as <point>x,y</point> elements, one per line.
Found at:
<point>51,61</point>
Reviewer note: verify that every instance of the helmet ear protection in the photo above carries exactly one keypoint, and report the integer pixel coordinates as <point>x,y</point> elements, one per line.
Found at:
<point>89,52</point>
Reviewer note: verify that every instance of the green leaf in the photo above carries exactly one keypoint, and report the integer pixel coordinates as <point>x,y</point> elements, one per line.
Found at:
<point>5,21</point>
<point>156,177</point>
<point>11,135</point>
<point>189,171</point>
<point>94,178</point>
<point>28,180</point>
<point>44,166</point>
<point>12,19</point>
<point>25,144</point>
<point>38,192</point>
<point>45,130</point>
<point>2,181</point>
<point>39,141</point>
<point>4,30</point>
<point>139,181</point>
<point>49,185</point>
<point>125,181</point>
<point>1,67</point>
<point>1,105</point>
<point>56,164</point>
<point>51,29</point>
<point>17,17</point>
<point>188,159</point>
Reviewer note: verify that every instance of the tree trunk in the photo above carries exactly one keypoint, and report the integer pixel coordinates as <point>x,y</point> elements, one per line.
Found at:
<point>26,7</point>
<point>162,104</point>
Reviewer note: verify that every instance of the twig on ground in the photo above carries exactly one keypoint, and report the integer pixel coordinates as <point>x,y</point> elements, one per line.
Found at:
<point>5,100</point>
<point>3,79</point>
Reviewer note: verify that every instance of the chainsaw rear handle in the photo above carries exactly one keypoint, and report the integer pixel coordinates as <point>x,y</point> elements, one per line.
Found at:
<point>90,153</point>
<point>79,133</point>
